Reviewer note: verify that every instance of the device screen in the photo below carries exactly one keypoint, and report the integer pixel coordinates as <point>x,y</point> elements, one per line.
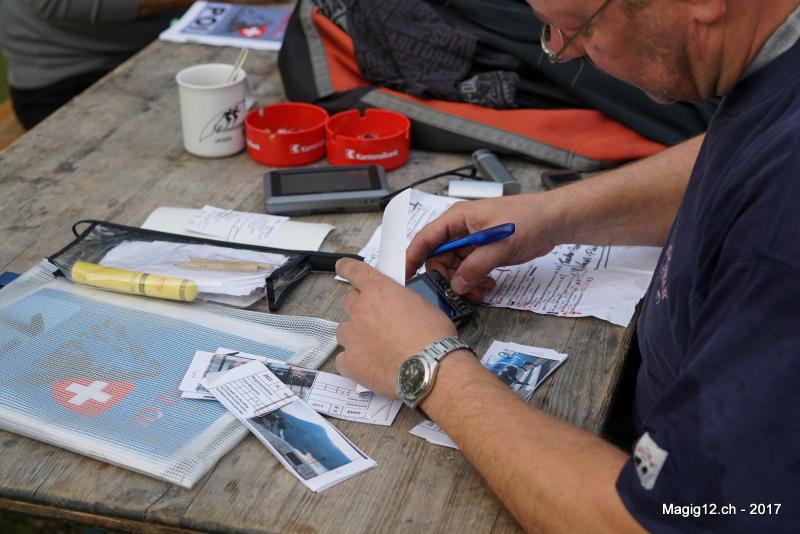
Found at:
<point>323,181</point>
<point>424,287</point>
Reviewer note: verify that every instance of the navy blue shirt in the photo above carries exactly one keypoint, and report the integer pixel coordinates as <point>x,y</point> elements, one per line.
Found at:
<point>719,387</point>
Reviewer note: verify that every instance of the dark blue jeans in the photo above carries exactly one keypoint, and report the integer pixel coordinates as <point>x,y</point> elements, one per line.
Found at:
<point>32,106</point>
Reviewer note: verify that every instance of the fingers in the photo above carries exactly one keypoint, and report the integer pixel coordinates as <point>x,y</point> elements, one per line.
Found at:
<point>358,273</point>
<point>449,226</point>
<point>349,300</point>
<point>475,268</point>
<point>341,365</point>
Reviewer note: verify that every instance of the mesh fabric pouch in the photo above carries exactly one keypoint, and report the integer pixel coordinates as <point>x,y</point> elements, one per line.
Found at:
<point>97,372</point>
<point>176,267</point>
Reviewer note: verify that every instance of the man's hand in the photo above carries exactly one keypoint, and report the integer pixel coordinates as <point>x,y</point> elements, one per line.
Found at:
<point>468,268</point>
<point>632,205</point>
<point>388,323</point>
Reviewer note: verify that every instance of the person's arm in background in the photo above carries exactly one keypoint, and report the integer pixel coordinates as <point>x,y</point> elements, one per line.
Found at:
<point>105,11</point>
<point>153,7</point>
<point>632,205</point>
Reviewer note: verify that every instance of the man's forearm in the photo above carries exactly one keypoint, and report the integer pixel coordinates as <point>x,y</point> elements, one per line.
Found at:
<point>632,205</point>
<point>154,7</point>
<point>552,476</point>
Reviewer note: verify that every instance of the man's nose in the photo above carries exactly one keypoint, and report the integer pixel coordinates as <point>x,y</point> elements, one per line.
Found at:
<point>575,50</point>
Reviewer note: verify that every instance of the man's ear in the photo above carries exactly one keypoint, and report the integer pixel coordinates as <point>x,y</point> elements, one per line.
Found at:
<point>708,11</point>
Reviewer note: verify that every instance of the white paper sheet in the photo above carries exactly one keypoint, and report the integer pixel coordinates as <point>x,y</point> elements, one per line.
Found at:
<point>392,255</point>
<point>327,393</point>
<point>422,209</point>
<point>224,24</point>
<point>571,281</point>
<point>249,390</point>
<point>430,431</point>
<point>229,225</point>
<point>578,281</point>
<point>292,235</point>
<point>520,367</point>
<point>310,448</point>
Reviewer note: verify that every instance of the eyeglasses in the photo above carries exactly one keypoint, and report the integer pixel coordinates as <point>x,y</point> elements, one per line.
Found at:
<point>547,34</point>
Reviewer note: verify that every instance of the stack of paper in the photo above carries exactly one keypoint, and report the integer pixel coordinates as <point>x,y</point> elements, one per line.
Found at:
<point>306,444</point>
<point>327,393</point>
<point>215,270</point>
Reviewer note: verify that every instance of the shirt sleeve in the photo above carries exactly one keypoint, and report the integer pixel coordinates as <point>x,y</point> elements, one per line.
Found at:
<point>86,11</point>
<point>729,423</point>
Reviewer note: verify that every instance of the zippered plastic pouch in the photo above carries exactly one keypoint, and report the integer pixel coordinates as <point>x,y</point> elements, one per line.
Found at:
<point>175,267</point>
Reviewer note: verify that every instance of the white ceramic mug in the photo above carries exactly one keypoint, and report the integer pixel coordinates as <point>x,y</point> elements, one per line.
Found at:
<point>213,110</point>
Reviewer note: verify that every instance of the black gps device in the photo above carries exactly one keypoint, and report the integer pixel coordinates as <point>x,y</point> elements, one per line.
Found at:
<point>325,190</point>
<point>436,289</point>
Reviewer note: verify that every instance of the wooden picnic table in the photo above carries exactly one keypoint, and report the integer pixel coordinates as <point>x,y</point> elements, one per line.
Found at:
<point>115,153</point>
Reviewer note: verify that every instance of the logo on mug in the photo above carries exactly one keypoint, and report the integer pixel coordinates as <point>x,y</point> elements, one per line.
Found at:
<point>228,120</point>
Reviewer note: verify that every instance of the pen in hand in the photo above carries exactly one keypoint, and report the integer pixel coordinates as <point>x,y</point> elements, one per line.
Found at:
<point>484,237</point>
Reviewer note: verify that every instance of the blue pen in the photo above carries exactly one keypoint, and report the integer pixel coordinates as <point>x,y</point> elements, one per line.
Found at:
<point>484,237</point>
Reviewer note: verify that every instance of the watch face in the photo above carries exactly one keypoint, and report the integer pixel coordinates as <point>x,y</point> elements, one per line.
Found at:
<point>413,377</point>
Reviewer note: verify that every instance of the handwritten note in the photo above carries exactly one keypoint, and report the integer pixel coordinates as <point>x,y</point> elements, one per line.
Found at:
<point>236,225</point>
<point>578,281</point>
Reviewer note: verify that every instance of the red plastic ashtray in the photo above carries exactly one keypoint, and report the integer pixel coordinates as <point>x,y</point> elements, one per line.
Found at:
<point>379,136</point>
<point>286,135</point>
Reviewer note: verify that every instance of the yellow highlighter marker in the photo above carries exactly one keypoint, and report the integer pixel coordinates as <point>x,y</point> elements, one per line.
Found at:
<point>151,285</point>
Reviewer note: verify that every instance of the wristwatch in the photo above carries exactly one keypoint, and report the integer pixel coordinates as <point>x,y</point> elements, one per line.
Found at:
<point>417,374</point>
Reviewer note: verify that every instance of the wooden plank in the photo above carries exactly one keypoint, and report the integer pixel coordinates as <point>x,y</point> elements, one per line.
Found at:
<point>88,520</point>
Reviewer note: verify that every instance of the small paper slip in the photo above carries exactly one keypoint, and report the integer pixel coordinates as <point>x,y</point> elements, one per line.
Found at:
<point>520,367</point>
<point>429,431</point>
<point>236,225</point>
<point>327,393</point>
<point>291,235</point>
<point>249,390</point>
<point>306,444</point>
<point>223,24</point>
